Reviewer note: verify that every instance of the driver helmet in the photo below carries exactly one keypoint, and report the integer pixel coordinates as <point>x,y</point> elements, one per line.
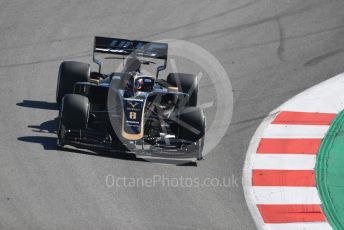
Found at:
<point>139,84</point>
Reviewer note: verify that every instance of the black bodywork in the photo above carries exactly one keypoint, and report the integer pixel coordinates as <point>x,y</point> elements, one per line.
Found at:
<point>126,116</point>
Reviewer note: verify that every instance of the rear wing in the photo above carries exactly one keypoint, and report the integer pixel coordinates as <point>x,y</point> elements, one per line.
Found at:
<point>125,47</point>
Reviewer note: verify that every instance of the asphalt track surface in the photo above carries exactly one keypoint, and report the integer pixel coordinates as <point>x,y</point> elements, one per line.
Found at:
<point>271,50</point>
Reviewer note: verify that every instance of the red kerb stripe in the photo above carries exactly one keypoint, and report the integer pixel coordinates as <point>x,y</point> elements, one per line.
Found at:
<point>296,178</point>
<point>288,146</point>
<point>291,213</point>
<point>303,118</point>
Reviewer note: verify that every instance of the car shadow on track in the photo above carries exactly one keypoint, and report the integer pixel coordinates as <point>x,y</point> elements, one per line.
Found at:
<point>49,143</point>
<point>45,127</point>
<point>39,105</point>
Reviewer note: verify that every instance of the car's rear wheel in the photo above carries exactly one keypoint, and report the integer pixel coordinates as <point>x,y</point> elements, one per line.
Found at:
<point>186,83</point>
<point>71,72</point>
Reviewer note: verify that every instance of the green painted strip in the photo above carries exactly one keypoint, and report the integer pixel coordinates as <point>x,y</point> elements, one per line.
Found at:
<point>330,173</point>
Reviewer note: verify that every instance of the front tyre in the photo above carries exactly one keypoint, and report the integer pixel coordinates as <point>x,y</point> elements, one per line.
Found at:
<point>199,150</point>
<point>186,83</point>
<point>74,112</point>
<point>60,134</point>
<point>189,125</point>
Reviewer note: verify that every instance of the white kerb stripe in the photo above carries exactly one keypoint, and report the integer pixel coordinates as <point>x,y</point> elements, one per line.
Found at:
<point>326,97</point>
<point>295,131</point>
<point>285,195</point>
<point>299,226</point>
<point>320,105</point>
<point>284,161</point>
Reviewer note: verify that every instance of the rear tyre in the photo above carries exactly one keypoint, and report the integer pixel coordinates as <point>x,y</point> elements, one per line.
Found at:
<point>70,72</point>
<point>186,83</point>
<point>74,111</point>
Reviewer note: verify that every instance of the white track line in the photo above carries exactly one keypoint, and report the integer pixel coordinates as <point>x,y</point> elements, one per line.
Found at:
<point>286,195</point>
<point>284,161</point>
<point>297,226</point>
<point>318,98</point>
<point>295,131</point>
<point>247,172</point>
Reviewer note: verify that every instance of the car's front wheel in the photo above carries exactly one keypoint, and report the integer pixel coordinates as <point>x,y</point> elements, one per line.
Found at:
<point>74,114</point>
<point>70,72</point>
<point>189,125</point>
<point>186,83</point>
<point>75,111</point>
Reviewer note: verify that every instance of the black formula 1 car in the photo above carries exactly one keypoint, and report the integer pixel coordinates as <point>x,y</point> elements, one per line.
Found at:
<point>129,111</point>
